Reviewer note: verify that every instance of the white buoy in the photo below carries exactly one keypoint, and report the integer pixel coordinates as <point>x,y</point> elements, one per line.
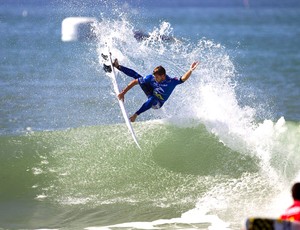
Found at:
<point>77,28</point>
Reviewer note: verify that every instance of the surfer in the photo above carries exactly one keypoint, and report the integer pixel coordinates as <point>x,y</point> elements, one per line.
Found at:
<point>293,212</point>
<point>157,86</point>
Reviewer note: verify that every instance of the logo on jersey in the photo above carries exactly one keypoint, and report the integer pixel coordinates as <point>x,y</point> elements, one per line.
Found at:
<point>158,93</point>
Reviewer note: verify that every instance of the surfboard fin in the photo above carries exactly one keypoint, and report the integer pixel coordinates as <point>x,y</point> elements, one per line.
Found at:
<point>105,57</point>
<point>107,68</point>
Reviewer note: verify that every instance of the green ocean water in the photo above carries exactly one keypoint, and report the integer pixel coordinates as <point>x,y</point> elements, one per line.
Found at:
<point>87,177</point>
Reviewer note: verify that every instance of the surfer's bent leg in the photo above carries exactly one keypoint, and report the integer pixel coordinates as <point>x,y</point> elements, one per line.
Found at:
<point>152,102</point>
<point>129,72</point>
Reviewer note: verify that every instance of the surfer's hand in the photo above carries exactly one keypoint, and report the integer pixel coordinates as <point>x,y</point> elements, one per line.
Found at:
<point>121,96</point>
<point>194,65</point>
<point>133,117</point>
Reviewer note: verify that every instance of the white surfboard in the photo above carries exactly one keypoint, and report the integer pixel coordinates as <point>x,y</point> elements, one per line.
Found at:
<point>112,74</point>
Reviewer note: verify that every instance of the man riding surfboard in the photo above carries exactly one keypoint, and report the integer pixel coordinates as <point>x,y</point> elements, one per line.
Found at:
<point>157,86</point>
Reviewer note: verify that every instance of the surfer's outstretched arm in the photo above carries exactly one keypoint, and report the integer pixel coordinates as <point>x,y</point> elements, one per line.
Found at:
<point>189,72</point>
<point>127,88</point>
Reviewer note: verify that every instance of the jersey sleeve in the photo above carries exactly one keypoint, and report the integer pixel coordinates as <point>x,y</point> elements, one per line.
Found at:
<point>178,80</point>
<point>145,80</point>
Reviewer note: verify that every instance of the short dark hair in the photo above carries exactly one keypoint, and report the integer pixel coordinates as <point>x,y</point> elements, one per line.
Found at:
<point>296,191</point>
<point>159,70</point>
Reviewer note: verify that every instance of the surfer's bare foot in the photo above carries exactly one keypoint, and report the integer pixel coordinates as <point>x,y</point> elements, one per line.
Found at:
<point>133,117</point>
<point>116,63</point>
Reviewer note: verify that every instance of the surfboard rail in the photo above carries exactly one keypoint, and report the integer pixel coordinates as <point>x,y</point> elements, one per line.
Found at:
<point>121,103</point>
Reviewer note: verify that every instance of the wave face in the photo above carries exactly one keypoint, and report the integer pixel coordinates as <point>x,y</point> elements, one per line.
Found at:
<point>96,176</point>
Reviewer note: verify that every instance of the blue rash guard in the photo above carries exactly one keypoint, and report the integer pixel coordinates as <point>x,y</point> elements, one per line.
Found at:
<point>157,92</point>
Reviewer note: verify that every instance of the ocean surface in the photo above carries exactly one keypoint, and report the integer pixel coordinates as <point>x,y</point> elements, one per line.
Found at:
<point>223,148</point>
